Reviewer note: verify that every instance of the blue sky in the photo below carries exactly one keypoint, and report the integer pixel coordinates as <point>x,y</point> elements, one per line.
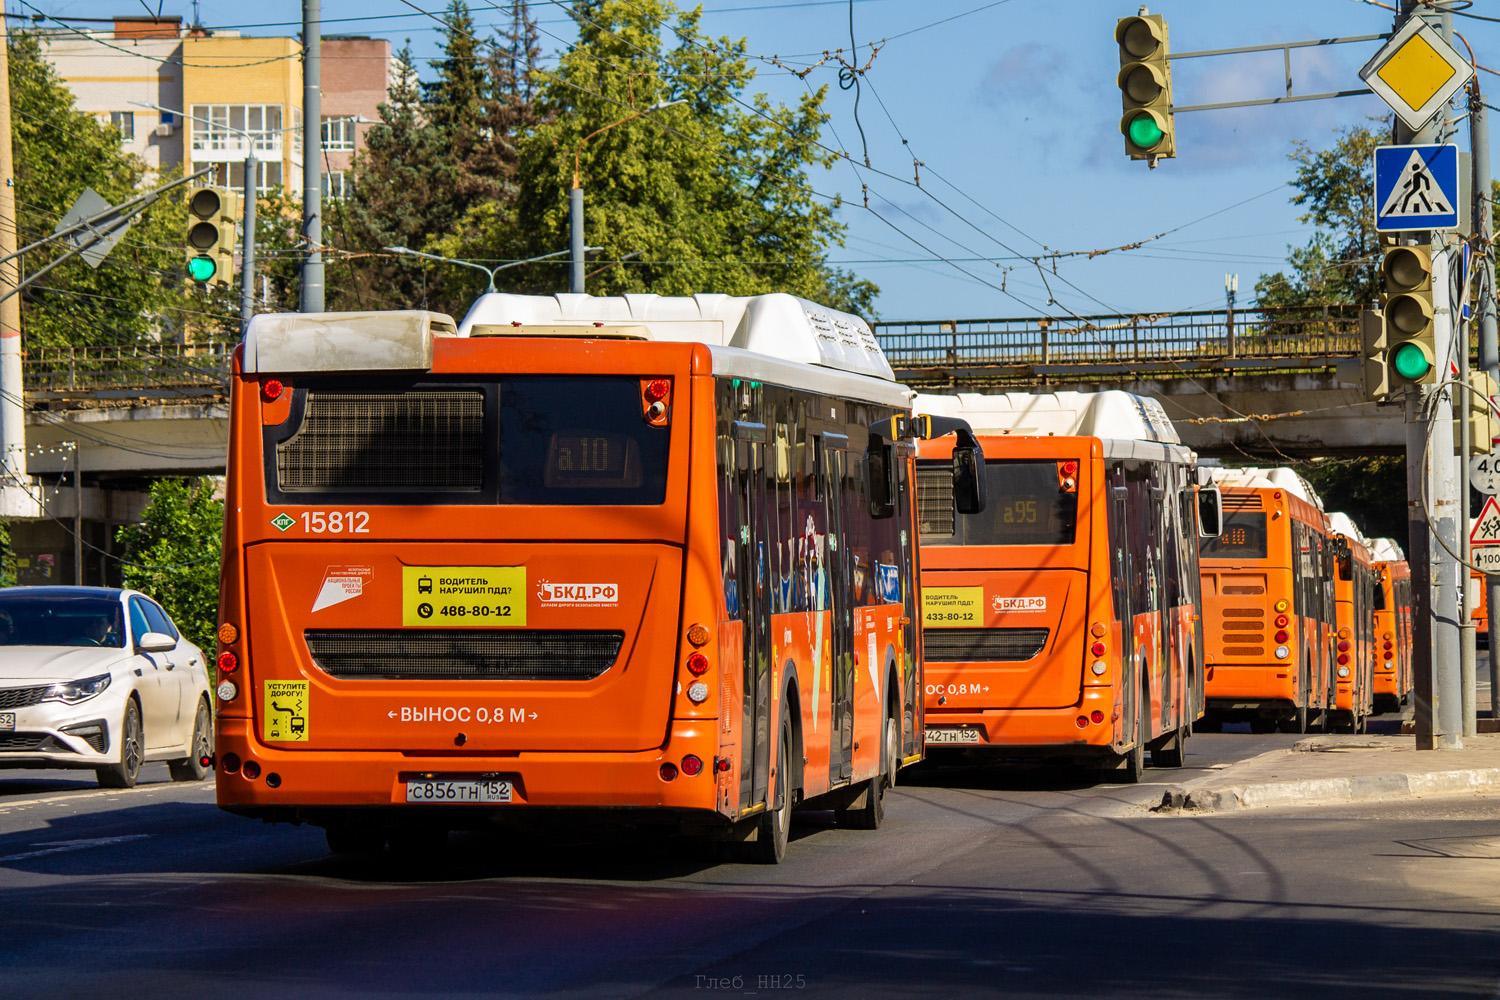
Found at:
<point>1013,111</point>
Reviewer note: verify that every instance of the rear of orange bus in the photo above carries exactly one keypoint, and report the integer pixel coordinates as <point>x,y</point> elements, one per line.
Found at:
<point>1264,612</point>
<point>1392,613</point>
<point>1354,659</point>
<point>1061,622</point>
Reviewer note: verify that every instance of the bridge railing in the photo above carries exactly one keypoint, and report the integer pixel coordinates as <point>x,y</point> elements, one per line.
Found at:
<point>144,368</point>
<point>1116,339</point>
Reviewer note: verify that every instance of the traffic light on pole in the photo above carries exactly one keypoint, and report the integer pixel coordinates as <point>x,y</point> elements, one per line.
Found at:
<point>1145,83</point>
<point>1374,374</point>
<point>1483,425</point>
<point>1410,336</point>
<point>211,235</point>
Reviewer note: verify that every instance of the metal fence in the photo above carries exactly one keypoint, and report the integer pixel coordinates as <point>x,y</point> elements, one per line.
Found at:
<point>147,369</point>
<point>1213,335</point>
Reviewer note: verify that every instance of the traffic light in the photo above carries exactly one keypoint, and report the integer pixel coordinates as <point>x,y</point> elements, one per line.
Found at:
<point>1373,374</point>
<point>1483,426</point>
<point>1145,83</point>
<point>211,235</point>
<point>1410,345</point>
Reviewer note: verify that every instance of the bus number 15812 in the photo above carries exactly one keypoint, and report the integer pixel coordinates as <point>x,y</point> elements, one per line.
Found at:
<point>336,522</point>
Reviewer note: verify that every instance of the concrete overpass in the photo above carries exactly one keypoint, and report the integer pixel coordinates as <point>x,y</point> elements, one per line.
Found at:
<point>1264,383</point>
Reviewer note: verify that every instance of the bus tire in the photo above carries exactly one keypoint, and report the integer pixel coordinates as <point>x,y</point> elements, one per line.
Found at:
<point>868,809</point>
<point>1173,752</point>
<point>775,824</point>
<point>1130,766</point>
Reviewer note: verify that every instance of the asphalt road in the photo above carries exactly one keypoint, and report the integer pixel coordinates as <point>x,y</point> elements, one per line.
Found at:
<point>1017,880</point>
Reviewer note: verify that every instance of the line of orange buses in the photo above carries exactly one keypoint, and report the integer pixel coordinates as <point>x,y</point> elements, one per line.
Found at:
<point>700,561</point>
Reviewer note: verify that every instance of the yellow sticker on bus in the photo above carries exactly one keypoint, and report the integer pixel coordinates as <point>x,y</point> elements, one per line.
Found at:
<point>952,607</point>
<point>284,710</point>
<point>463,596</point>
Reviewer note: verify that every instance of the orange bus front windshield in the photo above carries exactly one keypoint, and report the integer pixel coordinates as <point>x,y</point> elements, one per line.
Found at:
<point>1244,537</point>
<point>559,440</point>
<point>1028,505</point>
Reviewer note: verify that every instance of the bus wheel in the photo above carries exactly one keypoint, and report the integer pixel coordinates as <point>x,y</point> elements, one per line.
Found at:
<point>868,809</point>
<point>1172,752</point>
<point>1296,722</point>
<point>771,830</point>
<point>1128,767</point>
<point>353,837</point>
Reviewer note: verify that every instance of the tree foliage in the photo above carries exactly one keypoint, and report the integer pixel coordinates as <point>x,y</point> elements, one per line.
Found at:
<point>1370,490</point>
<point>709,195</point>
<point>173,554</point>
<point>1341,262</point>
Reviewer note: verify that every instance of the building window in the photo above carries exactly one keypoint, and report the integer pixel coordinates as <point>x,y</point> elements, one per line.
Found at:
<point>333,185</point>
<point>125,122</point>
<point>218,127</point>
<point>232,175</point>
<point>297,132</point>
<point>338,133</point>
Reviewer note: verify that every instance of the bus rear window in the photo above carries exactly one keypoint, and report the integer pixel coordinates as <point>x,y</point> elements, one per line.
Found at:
<point>583,440</point>
<point>1244,537</point>
<point>1027,505</point>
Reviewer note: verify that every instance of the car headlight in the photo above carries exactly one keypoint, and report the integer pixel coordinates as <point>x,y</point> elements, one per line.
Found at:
<point>73,692</point>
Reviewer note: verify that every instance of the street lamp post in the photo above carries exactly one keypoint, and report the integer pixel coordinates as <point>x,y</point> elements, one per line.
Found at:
<point>575,200</point>
<point>489,272</point>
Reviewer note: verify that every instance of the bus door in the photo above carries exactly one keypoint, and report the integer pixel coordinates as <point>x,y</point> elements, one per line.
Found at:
<point>834,449</point>
<point>750,500</point>
<point>1122,573</point>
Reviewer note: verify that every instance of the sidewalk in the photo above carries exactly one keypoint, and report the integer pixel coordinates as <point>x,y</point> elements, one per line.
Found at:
<point>1333,769</point>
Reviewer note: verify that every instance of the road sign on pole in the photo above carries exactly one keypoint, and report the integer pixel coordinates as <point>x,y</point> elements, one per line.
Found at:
<point>1486,530</point>
<point>1416,72</point>
<point>1416,187</point>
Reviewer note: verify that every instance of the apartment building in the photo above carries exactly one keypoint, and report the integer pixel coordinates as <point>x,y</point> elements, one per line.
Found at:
<point>224,94</point>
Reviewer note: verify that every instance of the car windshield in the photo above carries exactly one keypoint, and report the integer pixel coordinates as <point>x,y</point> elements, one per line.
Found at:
<point>60,620</point>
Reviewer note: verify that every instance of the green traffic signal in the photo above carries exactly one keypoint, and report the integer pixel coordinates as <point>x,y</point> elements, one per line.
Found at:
<point>1411,361</point>
<point>202,268</point>
<point>1144,130</point>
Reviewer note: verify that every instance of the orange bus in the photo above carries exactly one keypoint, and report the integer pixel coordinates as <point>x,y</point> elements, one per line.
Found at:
<point>634,554</point>
<point>1268,609</point>
<point>1393,626</point>
<point>1062,622</point>
<point>1354,586</point>
<point>1481,612</point>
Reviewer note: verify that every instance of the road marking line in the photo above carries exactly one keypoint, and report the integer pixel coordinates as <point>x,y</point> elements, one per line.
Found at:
<point>67,796</point>
<point>64,846</point>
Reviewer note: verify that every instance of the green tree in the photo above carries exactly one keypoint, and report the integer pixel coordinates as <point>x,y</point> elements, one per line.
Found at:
<point>1341,262</point>
<point>711,195</point>
<point>173,554</point>
<point>140,292</point>
<point>1371,490</point>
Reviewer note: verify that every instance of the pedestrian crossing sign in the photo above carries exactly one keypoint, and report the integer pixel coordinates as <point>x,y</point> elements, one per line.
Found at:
<point>1416,187</point>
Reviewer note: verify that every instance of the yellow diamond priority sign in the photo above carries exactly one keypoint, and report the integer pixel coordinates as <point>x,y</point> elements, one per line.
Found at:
<point>1416,73</point>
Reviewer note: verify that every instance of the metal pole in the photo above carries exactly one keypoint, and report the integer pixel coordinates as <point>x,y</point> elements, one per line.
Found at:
<point>312,156</point>
<point>1467,654</point>
<point>1484,310</point>
<point>12,388</point>
<point>247,241</point>
<point>575,239</point>
<point>77,516</point>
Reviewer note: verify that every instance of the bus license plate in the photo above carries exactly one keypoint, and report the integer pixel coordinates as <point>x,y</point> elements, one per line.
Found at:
<point>948,734</point>
<point>7,720</point>
<point>444,790</point>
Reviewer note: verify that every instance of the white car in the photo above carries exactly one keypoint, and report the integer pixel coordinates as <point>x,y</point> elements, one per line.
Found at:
<point>93,677</point>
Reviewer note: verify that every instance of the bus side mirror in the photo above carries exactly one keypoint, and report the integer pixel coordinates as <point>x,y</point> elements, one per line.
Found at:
<point>880,479</point>
<point>1210,512</point>
<point>968,478</point>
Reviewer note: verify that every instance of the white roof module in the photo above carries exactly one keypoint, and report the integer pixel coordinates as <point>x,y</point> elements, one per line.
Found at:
<point>776,325</point>
<point>1386,550</point>
<point>1111,414</point>
<point>1344,525</point>
<point>1278,479</point>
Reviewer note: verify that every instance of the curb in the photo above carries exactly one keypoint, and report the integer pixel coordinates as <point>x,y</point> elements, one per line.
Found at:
<point>1328,791</point>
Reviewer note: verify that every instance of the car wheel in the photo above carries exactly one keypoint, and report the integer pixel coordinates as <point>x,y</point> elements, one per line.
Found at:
<point>191,767</point>
<point>124,773</point>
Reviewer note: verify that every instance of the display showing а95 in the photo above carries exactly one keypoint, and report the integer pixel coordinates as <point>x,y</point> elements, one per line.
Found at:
<point>336,522</point>
<point>1021,512</point>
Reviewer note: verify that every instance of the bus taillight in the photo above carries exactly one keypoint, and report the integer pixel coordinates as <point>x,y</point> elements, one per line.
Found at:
<point>1098,649</point>
<point>273,388</point>
<point>692,766</point>
<point>228,633</point>
<point>697,635</point>
<point>1343,647</point>
<point>697,664</point>
<point>1067,476</point>
<point>229,663</point>
<point>669,771</point>
<point>1282,621</point>
<point>656,400</point>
